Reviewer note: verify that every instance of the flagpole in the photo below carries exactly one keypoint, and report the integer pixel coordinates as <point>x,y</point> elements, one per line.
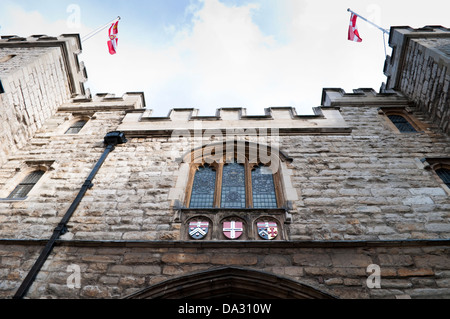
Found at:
<point>380,28</point>
<point>90,35</point>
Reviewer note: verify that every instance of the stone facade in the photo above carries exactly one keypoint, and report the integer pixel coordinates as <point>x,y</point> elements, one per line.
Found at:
<point>37,75</point>
<point>420,69</point>
<point>115,270</point>
<point>356,193</point>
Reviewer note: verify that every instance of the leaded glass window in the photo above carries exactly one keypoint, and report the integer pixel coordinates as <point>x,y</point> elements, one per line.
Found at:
<point>402,124</point>
<point>22,190</point>
<point>263,188</point>
<point>203,188</point>
<point>233,186</point>
<point>76,127</point>
<point>232,183</point>
<point>444,174</point>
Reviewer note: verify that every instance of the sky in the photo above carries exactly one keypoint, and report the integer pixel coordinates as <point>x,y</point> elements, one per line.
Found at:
<point>209,54</point>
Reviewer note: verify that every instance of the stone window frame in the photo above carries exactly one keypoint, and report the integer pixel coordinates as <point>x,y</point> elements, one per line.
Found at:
<point>76,125</point>
<point>406,114</point>
<point>22,172</point>
<point>7,57</point>
<point>178,193</point>
<point>22,189</point>
<point>434,164</point>
<point>75,119</point>
<point>181,191</point>
<point>218,162</point>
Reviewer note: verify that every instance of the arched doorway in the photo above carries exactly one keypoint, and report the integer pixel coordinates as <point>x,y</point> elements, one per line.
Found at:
<point>232,283</point>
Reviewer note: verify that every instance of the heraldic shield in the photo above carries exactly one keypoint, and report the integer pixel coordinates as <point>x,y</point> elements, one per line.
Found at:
<point>233,229</point>
<point>198,229</point>
<point>268,230</point>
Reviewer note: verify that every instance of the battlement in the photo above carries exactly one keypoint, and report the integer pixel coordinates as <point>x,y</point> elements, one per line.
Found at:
<point>26,51</point>
<point>338,97</point>
<point>128,101</point>
<point>435,40</point>
<point>283,119</point>
<point>419,69</point>
<point>232,113</point>
<point>37,75</point>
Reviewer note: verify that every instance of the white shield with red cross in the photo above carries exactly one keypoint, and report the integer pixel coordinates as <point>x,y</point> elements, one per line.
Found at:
<point>233,229</point>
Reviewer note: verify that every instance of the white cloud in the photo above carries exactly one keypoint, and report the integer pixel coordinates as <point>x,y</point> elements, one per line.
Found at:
<point>224,58</point>
<point>17,21</point>
<point>217,62</point>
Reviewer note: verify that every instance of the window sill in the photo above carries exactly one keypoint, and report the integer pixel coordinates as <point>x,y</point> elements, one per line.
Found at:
<point>218,209</point>
<point>185,213</point>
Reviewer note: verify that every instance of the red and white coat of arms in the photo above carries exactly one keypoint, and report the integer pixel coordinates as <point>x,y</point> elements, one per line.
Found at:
<point>233,229</point>
<point>267,230</point>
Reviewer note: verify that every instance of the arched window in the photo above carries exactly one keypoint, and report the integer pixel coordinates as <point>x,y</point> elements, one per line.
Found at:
<point>441,168</point>
<point>444,174</point>
<point>76,127</point>
<point>220,180</point>
<point>402,120</point>
<point>263,188</point>
<point>203,188</point>
<point>22,190</point>
<point>402,124</point>
<point>233,186</point>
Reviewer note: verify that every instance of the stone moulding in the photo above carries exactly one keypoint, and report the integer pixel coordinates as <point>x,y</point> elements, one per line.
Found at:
<point>275,121</point>
<point>230,282</point>
<point>232,244</point>
<point>249,217</point>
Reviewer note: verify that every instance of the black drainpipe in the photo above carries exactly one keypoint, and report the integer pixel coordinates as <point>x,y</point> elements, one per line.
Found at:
<point>111,140</point>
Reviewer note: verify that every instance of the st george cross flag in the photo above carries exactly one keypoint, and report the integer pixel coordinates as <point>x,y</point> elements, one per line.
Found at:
<point>353,34</point>
<point>112,43</point>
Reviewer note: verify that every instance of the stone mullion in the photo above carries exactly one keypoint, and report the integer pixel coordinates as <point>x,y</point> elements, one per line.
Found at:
<point>218,190</point>
<point>248,183</point>
<point>278,190</point>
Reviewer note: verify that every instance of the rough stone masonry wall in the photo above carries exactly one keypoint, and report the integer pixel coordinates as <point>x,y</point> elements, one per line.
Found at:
<point>370,184</point>
<point>426,78</point>
<point>72,158</point>
<point>109,271</point>
<point>35,85</point>
<point>130,199</point>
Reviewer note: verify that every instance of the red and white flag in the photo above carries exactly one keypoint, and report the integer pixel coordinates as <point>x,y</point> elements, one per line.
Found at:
<point>112,43</point>
<point>353,34</point>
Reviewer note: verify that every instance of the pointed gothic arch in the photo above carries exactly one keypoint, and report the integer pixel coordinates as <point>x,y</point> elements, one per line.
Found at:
<point>245,160</point>
<point>268,151</point>
<point>230,282</point>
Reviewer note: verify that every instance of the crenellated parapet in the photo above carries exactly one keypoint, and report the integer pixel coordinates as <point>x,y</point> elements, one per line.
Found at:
<point>26,52</point>
<point>337,97</point>
<point>37,75</point>
<point>105,101</point>
<point>419,68</point>
<point>283,119</point>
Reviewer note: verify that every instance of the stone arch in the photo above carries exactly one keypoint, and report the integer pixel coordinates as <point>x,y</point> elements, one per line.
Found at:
<point>248,154</point>
<point>230,282</point>
<point>196,154</point>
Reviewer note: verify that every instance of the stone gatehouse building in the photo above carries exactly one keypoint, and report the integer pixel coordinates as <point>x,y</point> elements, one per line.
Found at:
<point>100,199</point>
